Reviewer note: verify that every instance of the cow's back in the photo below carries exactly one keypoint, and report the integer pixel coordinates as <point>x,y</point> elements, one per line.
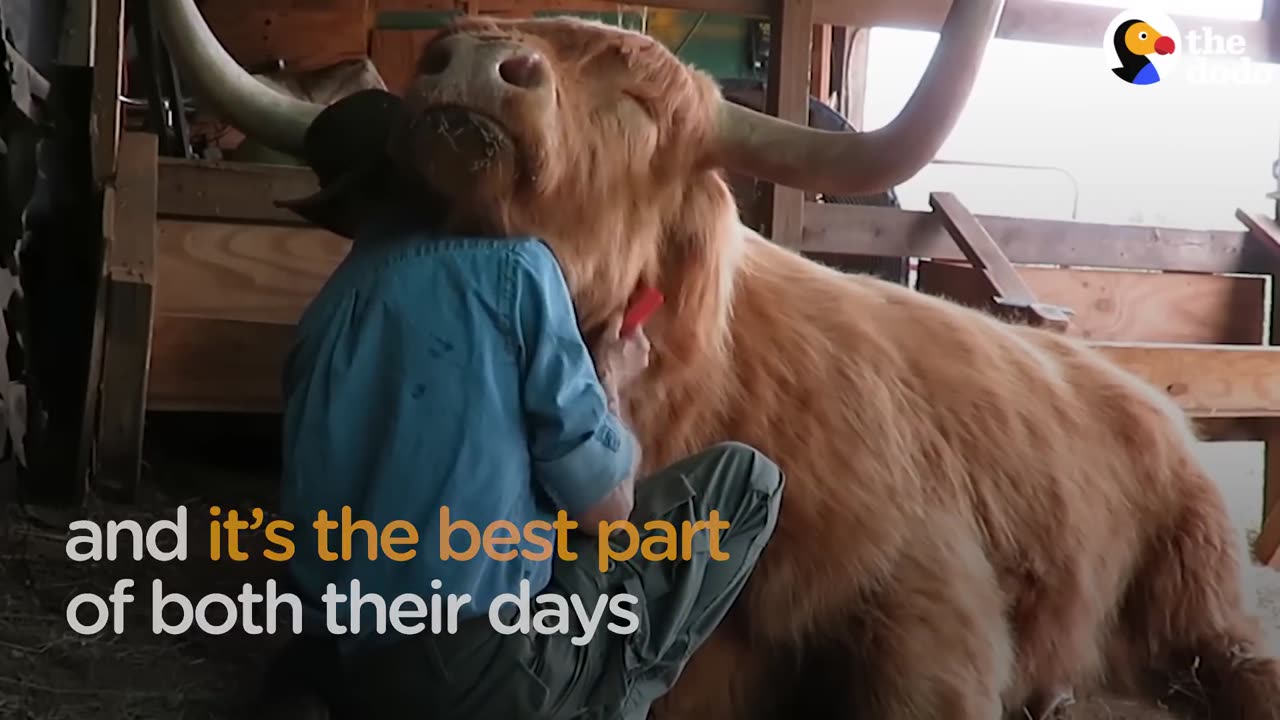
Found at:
<point>886,407</point>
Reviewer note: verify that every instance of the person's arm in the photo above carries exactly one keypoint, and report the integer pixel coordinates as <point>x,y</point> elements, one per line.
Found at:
<point>584,457</point>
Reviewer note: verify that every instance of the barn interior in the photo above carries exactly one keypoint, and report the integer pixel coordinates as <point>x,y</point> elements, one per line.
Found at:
<point>154,280</point>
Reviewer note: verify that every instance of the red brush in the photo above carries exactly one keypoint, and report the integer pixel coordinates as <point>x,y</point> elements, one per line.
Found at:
<point>644,304</point>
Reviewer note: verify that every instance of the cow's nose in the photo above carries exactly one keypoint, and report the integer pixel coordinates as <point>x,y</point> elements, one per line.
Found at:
<point>523,69</point>
<point>465,60</point>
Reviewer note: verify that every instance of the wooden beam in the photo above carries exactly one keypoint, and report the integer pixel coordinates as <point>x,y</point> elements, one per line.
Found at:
<point>1207,380</point>
<point>75,42</point>
<point>108,63</point>
<point>787,97</point>
<point>1270,488</point>
<point>1266,548</point>
<point>838,59</point>
<point>820,63</point>
<point>244,192</point>
<point>1265,231</point>
<point>229,191</point>
<point>130,295</point>
<point>1006,291</point>
<point>890,232</point>
<point>219,365</point>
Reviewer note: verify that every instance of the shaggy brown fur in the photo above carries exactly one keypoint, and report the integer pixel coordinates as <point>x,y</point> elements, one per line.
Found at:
<point>975,511</point>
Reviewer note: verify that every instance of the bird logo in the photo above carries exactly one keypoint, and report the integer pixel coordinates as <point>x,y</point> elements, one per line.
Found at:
<point>1136,43</point>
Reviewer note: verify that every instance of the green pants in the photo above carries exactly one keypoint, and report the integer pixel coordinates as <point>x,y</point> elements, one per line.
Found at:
<point>480,674</point>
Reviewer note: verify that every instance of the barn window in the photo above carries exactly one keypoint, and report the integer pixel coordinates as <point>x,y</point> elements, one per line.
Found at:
<point>1179,153</point>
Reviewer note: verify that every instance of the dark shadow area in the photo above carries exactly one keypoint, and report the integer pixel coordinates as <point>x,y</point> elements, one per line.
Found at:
<point>48,671</point>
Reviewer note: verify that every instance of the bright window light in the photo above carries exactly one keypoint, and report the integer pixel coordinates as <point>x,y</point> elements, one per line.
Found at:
<point>1221,9</point>
<point>1178,155</point>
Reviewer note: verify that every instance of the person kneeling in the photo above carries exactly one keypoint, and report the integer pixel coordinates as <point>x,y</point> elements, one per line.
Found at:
<point>436,372</point>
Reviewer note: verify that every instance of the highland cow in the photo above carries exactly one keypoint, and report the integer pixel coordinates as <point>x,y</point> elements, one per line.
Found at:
<point>981,516</point>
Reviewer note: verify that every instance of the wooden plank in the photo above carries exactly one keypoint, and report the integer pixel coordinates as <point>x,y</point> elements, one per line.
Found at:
<point>820,63</point>
<point>890,232</point>
<point>245,192</point>
<point>787,97</point>
<point>1266,232</point>
<point>306,36</point>
<point>130,293</point>
<point>1271,467</point>
<point>243,272</point>
<point>1207,380</point>
<point>213,365</point>
<point>1006,291</point>
<point>75,44</point>
<point>108,62</point>
<point>396,54</point>
<point>1266,548</point>
<point>89,422</point>
<point>216,365</point>
<point>1128,306</point>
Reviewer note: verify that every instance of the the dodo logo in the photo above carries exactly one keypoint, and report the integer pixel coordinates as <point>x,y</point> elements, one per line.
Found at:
<point>1142,46</point>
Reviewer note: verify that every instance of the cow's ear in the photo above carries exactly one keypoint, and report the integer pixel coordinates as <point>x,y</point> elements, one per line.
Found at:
<point>697,277</point>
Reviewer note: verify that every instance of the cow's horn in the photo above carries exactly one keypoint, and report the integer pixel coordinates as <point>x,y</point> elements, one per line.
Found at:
<point>271,117</point>
<point>853,163</point>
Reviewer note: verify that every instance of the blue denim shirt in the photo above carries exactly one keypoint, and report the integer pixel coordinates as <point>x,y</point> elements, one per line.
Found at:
<point>433,372</point>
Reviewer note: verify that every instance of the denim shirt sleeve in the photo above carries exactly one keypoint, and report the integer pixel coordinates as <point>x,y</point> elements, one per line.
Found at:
<point>581,451</point>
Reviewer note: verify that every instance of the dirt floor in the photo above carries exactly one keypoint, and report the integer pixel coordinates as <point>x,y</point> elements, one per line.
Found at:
<point>48,672</point>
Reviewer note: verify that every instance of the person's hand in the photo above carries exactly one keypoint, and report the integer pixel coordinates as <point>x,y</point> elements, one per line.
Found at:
<point>620,360</point>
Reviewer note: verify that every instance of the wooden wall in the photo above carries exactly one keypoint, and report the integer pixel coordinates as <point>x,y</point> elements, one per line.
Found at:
<point>306,34</point>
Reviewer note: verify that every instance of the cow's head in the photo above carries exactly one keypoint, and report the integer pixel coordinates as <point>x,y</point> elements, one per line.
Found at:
<point>605,144</point>
<point>583,134</point>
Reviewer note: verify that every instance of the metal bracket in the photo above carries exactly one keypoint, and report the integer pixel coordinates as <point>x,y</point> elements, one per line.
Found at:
<point>1010,296</point>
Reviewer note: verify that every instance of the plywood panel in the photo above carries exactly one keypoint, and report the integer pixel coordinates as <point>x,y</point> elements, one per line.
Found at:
<point>1128,306</point>
<point>1207,380</point>
<point>306,34</point>
<point>212,365</point>
<point>243,272</point>
<point>243,192</point>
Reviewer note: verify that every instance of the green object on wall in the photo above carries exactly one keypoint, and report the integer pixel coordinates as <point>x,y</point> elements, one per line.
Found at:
<point>717,45</point>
